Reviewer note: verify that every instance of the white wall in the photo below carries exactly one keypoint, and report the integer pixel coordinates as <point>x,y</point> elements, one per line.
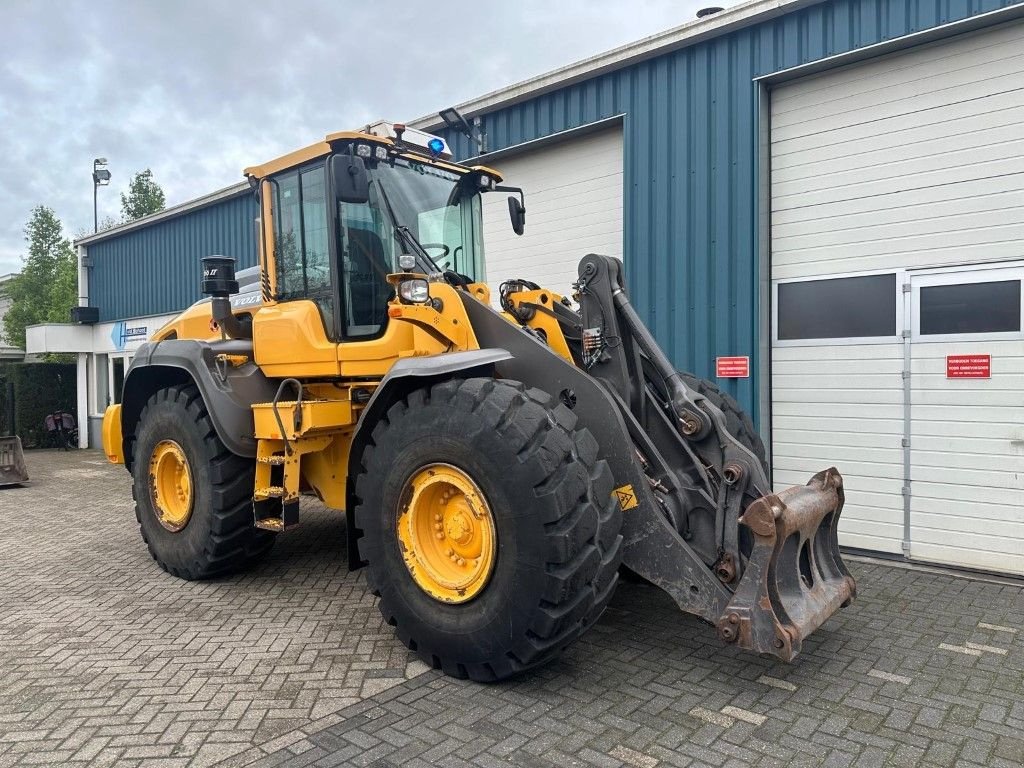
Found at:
<point>573,207</point>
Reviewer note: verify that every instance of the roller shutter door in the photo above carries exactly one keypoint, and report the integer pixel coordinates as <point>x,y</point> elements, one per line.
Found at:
<point>886,175</point>
<point>573,207</point>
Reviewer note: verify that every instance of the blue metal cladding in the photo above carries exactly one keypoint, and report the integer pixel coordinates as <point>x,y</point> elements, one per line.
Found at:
<point>156,269</point>
<point>690,157</point>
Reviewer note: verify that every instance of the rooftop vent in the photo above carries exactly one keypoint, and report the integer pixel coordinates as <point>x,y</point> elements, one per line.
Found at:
<point>709,11</point>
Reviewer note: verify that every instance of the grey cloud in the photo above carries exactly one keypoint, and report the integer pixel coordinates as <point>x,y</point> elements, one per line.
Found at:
<point>198,90</point>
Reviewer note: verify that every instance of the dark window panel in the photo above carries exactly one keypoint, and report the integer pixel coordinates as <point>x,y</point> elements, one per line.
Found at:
<point>836,308</point>
<point>970,308</point>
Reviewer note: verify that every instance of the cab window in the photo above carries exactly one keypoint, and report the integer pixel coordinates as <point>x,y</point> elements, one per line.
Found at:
<point>366,261</point>
<point>301,241</point>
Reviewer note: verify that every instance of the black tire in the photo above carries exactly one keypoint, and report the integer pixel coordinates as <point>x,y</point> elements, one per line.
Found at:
<point>219,537</point>
<point>557,525</point>
<point>740,425</point>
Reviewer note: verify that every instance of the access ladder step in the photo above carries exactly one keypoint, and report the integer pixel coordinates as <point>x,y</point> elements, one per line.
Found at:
<point>270,492</point>
<point>276,518</point>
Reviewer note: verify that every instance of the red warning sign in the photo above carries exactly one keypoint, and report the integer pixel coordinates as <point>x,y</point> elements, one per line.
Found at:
<point>732,367</point>
<point>968,366</point>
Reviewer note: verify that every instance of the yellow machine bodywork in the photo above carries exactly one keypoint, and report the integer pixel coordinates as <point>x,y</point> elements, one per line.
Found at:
<point>289,341</point>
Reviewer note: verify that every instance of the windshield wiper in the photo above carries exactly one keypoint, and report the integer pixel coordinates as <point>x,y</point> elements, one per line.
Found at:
<point>404,233</point>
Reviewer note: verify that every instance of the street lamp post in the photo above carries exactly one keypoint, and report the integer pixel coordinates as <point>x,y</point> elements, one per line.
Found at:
<point>100,178</point>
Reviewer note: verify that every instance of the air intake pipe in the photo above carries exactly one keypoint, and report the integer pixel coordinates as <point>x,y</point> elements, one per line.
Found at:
<point>219,283</point>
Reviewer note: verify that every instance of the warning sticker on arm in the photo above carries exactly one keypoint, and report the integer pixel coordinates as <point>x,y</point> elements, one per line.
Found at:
<point>626,496</point>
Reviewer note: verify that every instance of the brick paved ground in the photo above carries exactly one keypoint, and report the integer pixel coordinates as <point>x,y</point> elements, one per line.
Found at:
<point>104,659</point>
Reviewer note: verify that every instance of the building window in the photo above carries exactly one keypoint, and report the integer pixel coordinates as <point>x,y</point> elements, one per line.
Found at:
<point>837,308</point>
<point>100,390</point>
<point>992,307</point>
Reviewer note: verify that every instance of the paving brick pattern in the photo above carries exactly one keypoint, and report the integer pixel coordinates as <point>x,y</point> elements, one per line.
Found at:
<point>105,660</point>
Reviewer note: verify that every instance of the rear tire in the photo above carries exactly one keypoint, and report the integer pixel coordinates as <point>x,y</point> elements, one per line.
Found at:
<point>556,521</point>
<point>218,537</point>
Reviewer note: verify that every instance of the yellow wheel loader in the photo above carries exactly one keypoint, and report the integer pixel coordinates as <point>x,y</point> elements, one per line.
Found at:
<point>497,466</point>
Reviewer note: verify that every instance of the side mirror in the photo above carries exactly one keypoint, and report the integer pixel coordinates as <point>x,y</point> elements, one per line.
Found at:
<point>351,184</point>
<point>517,213</point>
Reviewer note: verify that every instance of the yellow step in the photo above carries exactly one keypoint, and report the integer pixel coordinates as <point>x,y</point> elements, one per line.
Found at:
<point>270,492</point>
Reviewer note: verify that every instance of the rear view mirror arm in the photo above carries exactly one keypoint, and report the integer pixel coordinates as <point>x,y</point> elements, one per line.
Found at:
<point>517,190</point>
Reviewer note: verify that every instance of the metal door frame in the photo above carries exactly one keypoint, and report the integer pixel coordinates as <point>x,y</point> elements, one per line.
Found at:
<point>911,289</point>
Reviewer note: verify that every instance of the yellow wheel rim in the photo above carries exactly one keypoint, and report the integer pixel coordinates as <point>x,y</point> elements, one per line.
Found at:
<point>446,532</point>
<point>170,483</point>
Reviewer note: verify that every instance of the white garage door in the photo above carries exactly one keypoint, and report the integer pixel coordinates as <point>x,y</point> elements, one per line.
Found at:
<point>880,173</point>
<point>573,207</point>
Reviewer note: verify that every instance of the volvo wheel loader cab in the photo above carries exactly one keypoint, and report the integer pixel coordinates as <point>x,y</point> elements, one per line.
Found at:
<point>495,466</point>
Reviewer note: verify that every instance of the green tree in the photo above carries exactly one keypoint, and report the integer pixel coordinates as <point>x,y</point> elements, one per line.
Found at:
<point>144,197</point>
<point>46,289</point>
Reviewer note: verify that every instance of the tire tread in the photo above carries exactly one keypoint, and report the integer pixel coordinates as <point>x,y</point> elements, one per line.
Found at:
<point>582,520</point>
<point>233,542</point>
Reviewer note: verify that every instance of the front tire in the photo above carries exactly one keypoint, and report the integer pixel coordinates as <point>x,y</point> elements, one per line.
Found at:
<point>516,455</point>
<point>193,497</point>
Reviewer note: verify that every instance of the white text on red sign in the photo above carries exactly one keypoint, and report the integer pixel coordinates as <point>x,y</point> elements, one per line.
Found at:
<point>968,366</point>
<point>732,367</point>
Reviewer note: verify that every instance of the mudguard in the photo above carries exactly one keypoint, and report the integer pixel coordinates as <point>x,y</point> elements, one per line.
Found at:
<point>228,390</point>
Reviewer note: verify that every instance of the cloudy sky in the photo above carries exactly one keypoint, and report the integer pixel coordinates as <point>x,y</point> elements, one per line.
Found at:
<point>196,90</point>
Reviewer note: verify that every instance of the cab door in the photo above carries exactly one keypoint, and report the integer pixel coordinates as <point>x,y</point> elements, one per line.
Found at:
<point>297,335</point>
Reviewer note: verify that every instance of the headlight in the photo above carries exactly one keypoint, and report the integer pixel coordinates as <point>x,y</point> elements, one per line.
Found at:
<point>415,291</point>
<point>407,262</point>
<point>363,150</point>
<point>381,153</point>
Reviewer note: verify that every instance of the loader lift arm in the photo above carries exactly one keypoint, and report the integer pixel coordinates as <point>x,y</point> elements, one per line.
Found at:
<point>699,518</point>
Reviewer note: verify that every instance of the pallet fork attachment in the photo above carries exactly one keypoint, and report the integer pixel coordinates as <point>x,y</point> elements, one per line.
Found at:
<point>795,577</point>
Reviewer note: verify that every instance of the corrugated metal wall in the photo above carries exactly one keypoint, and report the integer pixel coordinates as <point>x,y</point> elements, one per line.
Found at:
<point>156,270</point>
<point>691,167</point>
